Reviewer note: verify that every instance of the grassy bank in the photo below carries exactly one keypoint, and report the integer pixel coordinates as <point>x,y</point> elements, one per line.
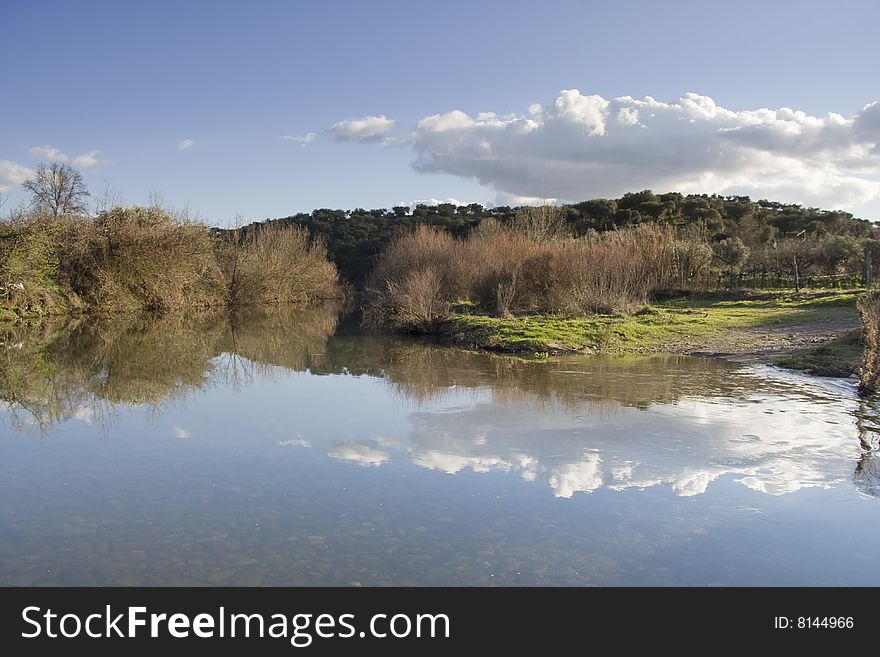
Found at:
<point>533,288</point>
<point>795,328</point>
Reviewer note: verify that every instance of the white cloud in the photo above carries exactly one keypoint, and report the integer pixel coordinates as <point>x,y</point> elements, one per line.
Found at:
<point>433,201</point>
<point>501,199</point>
<point>454,120</point>
<point>87,159</point>
<point>299,442</point>
<point>628,116</point>
<point>51,153</point>
<point>584,146</point>
<point>12,174</point>
<point>590,111</point>
<point>184,144</point>
<point>514,200</point>
<point>581,477</point>
<point>453,463</point>
<point>363,454</point>
<point>302,140</point>
<point>367,129</point>
<point>48,152</point>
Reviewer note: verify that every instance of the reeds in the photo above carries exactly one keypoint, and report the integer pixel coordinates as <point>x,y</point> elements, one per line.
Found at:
<point>869,312</point>
<point>422,274</point>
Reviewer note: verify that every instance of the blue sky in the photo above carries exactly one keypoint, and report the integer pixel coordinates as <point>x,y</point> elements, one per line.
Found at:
<point>132,81</point>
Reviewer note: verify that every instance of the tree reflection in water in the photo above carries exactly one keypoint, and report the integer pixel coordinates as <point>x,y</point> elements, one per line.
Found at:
<point>87,369</point>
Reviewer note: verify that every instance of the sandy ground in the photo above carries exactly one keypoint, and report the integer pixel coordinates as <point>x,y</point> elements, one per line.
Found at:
<point>767,342</point>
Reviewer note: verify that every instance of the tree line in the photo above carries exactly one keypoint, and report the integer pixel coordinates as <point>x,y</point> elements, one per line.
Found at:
<point>755,241</point>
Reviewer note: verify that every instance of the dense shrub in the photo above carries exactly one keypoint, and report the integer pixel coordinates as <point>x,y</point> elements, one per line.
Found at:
<point>140,258</point>
<point>146,259</point>
<point>30,248</point>
<point>869,312</point>
<point>275,265</point>
<point>421,274</point>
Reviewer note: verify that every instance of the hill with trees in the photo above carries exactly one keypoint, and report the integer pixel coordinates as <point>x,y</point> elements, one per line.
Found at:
<point>758,240</point>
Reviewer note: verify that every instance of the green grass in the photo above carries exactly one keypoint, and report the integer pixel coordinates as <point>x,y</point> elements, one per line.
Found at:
<point>653,328</point>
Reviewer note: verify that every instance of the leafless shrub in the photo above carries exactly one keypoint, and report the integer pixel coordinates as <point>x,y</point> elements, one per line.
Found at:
<point>132,259</point>
<point>510,271</point>
<point>869,312</point>
<point>542,223</point>
<point>275,265</point>
<point>151,259</point>
<point>411,287</point>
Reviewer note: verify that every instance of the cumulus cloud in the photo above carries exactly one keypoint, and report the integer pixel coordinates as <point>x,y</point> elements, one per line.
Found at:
<point>53,154</point>
<point>367,129</point>
<point>302,140</point>
<point>582,146</point>
<point>184,144</point>
<point>12,174</point>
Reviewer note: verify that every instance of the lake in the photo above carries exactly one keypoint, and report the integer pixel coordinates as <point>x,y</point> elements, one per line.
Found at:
<point>290,449</point>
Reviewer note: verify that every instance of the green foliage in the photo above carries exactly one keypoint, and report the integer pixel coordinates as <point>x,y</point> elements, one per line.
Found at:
<point>355,238</point>
<point>731,252</point>
<point>657,327</point>
<point>30,267</point>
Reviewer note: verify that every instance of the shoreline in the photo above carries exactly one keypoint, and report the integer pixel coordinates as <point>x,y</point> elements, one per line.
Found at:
<point>817,332</point>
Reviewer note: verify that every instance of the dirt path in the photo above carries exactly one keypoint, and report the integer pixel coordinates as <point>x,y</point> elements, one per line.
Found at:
<point>768,343</point>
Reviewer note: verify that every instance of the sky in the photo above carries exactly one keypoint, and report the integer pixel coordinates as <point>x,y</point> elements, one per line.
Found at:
<point>241,111</point>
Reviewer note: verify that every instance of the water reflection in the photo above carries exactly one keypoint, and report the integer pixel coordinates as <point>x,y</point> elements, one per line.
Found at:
<point>276,448</point>
<point>867,474</point>
<point>83,370</point>
<point>576,424</point>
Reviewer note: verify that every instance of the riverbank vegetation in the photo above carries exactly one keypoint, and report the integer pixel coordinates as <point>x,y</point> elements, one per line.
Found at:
<point>773,324</point>
<point>422,275</point>
<point>764,243</point>
<point>640,273</point>
<point>535,288</point>
<point>869,312</point>
<point>55,259</point>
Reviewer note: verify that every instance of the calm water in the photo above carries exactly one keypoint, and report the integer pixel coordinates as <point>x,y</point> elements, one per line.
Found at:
<point>277,450</point>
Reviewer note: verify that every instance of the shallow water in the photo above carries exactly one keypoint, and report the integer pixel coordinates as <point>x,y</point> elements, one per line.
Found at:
<point>279,450</point>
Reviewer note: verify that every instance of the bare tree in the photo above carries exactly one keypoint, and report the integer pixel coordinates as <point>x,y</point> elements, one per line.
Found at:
<point>542,223</point>
<point>58,189</point>
<point>108,199</point>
